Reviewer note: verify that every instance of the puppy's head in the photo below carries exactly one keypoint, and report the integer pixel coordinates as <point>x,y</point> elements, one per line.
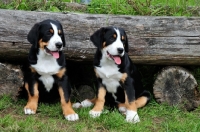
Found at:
<point>48,36</point>
<point>112,41</point>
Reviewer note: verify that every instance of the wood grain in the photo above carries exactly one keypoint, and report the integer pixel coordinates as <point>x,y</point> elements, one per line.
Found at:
<point>153,40</point>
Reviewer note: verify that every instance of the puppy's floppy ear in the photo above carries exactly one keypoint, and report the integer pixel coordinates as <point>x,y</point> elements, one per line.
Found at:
<point>33,35</point>
<point>97,38</point>
<point>63,35</point>
<point>126,47</point>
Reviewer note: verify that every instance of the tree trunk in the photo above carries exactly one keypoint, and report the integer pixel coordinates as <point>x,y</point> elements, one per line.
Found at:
<point>153,40</point>
<point>176,86</point>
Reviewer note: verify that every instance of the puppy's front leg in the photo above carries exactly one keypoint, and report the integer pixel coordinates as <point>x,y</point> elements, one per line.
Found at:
<point>33,95</point>
<point>97,110</point>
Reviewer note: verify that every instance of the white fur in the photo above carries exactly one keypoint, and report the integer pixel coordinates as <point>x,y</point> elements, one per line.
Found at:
<point>109,72</point>
<point>72,117</point>
<point>95,114</point>
<point>122,110</point>
<point>132,116</point>
<point>46,66</point>
<point>28,111</point>
<point>86,103</point>
<point>54,39</point>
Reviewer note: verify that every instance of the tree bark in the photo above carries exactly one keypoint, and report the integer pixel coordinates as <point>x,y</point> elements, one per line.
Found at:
<point>176,86</point>
<point>153,40</point>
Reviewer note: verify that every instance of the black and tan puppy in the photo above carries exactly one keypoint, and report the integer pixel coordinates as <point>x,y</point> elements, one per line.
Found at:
<point>118,80</point>
<point>47,67</point>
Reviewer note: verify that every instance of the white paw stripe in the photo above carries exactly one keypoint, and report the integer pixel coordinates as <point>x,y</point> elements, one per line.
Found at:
<point>72,117</point>
<point>95,114</point>
<point>76,105</point>
<point>132,116</point>
<point>28,111</point>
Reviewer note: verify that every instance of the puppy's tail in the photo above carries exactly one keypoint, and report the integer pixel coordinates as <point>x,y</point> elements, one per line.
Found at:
<point>143,99</point>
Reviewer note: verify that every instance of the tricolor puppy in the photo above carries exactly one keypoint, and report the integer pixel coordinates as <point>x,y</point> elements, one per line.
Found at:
<point>118,80</point>
<point>47,67</point>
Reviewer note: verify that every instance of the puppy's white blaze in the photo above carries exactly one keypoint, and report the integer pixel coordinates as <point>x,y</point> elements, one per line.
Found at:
<point>132,116</point>
<point>54,39</point>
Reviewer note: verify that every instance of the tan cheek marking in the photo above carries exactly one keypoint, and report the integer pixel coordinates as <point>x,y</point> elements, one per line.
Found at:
<point>100,100</point>
<point>42,44</point>
<point>130,105</point>
<point>123,78</point>
<point>66,106</point>
<point>61,72</point>
<point>32,100</point>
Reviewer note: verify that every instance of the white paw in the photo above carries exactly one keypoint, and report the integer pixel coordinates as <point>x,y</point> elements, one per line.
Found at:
<point>28,111</point>
<point>86,103</point>
<point>72,117</point>
<point>122,110</point>
<point>132,116</point>
<point>77,105</point>
<point>95,114</point>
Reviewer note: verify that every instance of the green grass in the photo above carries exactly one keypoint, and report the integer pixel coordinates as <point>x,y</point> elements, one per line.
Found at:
<point>124,7</point>
<point>154,117</point>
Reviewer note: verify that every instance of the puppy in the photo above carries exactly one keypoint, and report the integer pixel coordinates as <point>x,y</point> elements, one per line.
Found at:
<point>118,80</point>
<point>47,67</point>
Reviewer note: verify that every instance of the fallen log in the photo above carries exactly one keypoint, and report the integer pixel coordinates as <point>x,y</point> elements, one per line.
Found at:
<point>153,40</point>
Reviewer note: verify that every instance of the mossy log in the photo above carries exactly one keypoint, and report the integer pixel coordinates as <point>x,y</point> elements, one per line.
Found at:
<point>153,40</point>
<point>177,87</point>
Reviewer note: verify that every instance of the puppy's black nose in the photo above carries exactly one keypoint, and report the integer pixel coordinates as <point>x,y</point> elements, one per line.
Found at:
<point>120,50</point>
<point>59,45</point>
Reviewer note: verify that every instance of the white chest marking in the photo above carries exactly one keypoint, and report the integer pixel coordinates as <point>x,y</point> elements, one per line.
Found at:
<point>46,66</point>
<point>110,75</point>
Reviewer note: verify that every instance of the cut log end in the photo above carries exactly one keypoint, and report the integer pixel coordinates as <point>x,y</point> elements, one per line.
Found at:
<point>177,87</point>
<point>11,79</point>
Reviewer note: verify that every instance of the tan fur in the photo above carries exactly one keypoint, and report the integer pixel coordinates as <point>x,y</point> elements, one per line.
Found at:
<point>130,105</point>
<point>123,78</point>
<point>61,72</point>
<point>42,44</point>
<point>32,100</point>
<point>100,100</point>
<point>66,106</point>
<point>141,101</point>
<point>32,69</point>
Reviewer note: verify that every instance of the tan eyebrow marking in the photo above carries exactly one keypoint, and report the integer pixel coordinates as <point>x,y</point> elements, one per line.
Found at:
<point>123,37</point>
<point>114,35</point>
<point>59,31</point>
<point>51,30</point>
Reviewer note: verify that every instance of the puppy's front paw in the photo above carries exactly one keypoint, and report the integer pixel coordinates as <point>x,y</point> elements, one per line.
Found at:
<point>28,111</point>
<point>122,110</point>
<point>72,117</point>
<point>86,103</point>
<point>132,116</point>
<point>95,114</point>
